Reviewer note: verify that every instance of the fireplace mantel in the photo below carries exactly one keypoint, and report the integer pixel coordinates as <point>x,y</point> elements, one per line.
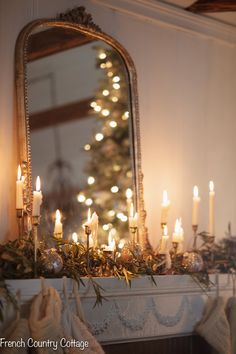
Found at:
<point>143,311</point>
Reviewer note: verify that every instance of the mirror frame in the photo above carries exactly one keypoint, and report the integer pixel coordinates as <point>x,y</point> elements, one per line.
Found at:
<point>78,20</point>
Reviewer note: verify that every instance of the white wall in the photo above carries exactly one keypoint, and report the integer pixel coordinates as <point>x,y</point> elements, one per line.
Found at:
<point>186,90</point>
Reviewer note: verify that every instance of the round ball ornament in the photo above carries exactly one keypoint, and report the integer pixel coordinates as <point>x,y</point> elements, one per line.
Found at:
<point>51,261</point>
<point>137,250</point>
<point>126,255</point>
<point>192,262</point>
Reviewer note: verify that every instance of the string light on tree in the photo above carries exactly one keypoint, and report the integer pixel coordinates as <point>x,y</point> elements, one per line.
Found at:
<point>93,104</point>
<point>116,79</point>
<point>113,124</point>
<point>116,168</point>
<point>91,180</point>
<point>103,66</point>
<point>81,198</point>
<point>97,108</point>
<point>108,64</point>
<point>116,86</point>
<point>99,137</point>
<point>114,189</point>
<point>111,213</point>
<point>89,202</point>
<point>87,147</point>
<point>105,227</point>
<point>102,56</point>
<point>105,112</point>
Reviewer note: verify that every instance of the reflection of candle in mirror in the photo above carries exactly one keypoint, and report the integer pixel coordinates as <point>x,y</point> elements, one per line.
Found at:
<point>165,205</point>
<point>58,225</point>
<point>19,190</point>
<point>121,243</point>
<point>37,198</point>
<point>133,218</point>
<point>211,229</point>
<point>129,195</point>
<point>74,237</point>
<point>196,201</point>
<point>111,242</point>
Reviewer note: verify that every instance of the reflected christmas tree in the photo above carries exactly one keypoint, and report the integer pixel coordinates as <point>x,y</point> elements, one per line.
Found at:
<point>109,168</point>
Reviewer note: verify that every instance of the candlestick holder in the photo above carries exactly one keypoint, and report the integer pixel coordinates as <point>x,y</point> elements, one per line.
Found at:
<point>175,248</point>
<point>58,235</point>
<point>194,227</point>
<point>35,223</point>
<point>163,225</point>
<point>133,230</point>
<point>207,238</point>
<point>20,221</point>
<point>88,231</point>
<point>108,253</point>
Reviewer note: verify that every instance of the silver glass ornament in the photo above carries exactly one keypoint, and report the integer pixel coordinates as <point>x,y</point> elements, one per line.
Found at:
<point>51,261</point>
<point>192,261</point>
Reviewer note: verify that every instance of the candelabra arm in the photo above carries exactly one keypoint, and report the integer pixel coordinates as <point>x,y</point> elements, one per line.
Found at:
<point>35,223</point>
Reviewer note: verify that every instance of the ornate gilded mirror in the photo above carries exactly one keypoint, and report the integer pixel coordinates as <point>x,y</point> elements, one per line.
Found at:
<point>78,127</point>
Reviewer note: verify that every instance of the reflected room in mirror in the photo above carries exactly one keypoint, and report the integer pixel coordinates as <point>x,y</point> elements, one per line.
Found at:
<point>80,132</point>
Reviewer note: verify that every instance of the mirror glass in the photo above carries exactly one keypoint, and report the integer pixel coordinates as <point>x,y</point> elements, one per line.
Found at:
<point>80,131</point>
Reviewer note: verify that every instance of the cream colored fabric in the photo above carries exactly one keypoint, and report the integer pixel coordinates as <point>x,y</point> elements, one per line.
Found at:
<point>214,326</point>
<point>19,330</point>
<point>45,320</point>
<point>231,314</point>
<point>78,304</point>
<point>74,328</point>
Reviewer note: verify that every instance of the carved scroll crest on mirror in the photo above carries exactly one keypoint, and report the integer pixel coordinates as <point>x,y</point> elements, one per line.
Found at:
<point>76,21</point>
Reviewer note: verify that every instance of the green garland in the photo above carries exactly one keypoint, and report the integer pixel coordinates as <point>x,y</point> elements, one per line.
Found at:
<point>17,262</point>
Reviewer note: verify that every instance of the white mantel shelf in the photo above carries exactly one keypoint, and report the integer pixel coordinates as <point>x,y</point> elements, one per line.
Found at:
<point>142,312</point>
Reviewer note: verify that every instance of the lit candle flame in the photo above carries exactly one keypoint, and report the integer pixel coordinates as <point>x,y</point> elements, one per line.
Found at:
<point>38,184</point>
<point>211,186</point>
<point>58,216</point>
<point>195,191</point>
<point>19,173</point>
